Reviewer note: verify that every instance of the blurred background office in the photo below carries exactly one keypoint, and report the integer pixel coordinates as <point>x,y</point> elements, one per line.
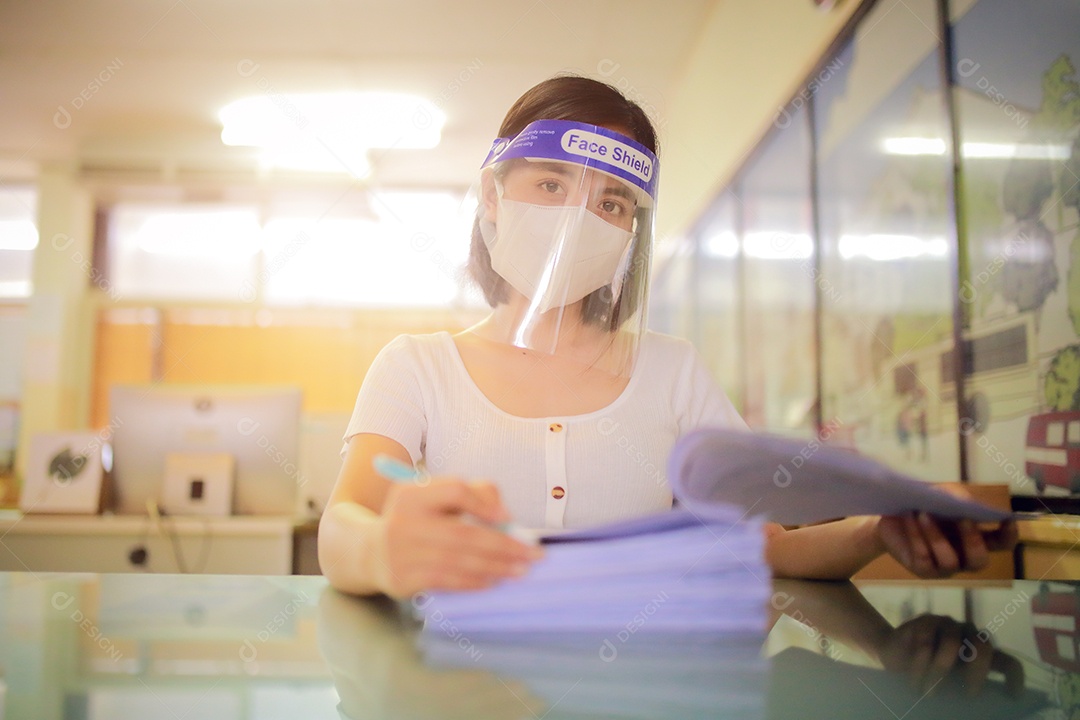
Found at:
<point>202,201</point>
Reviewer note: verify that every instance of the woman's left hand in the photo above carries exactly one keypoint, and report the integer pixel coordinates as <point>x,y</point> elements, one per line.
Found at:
<point>933,547</point>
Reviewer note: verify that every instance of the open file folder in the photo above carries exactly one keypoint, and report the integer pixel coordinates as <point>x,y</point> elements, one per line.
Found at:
<point>701,566</point>
<point>797,482</point>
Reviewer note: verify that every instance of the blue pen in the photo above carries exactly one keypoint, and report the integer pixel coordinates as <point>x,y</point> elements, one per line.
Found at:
<point>396,471</point>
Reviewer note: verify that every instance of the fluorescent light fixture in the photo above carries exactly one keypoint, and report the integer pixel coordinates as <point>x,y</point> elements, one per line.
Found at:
<point>723,244</point>
<point>1010,150</point>
<point>213,234</point>
<point>936,146</point>
<point>331,132</point>
<point>18,235</point>
<point>307,154</point>
<point>344,261</point>
<point>416,209</point>
<point>16,288</point>
<point>880,246</point>
<point>913,146</point>
<point>778,245</point>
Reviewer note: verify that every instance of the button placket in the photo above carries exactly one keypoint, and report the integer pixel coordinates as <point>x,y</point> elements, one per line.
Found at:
<point>555,460</point>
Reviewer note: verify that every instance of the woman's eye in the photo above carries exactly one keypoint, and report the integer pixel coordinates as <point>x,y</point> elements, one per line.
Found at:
<point>612,207</point>
<point>551,186</point>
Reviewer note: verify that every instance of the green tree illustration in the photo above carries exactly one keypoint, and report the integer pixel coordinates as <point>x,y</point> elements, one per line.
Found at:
<point>1062,384</point>
<point>1028,185</point>
<point>1058,118</point>
<point>1029,275</point>
<point>1069,179</point>
<point>1060,109</point>
<point>1069,182</point>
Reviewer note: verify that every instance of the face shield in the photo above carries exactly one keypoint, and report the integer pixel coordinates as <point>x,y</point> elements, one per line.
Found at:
<point>565,212</point>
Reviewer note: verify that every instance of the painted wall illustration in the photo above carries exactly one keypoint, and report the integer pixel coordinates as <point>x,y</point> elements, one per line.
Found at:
<point>863,279</point>
<point>1018,102</point>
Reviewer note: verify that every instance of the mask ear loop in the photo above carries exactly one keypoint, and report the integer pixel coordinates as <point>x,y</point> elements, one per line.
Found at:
<point>624,262</point>
<point>621,270</point>
<point>487,227</point>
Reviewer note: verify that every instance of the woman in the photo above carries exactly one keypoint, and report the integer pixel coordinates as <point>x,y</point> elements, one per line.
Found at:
<point>560,397</point>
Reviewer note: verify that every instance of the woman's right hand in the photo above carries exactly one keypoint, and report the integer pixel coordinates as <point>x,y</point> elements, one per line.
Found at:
<point>438,536</point>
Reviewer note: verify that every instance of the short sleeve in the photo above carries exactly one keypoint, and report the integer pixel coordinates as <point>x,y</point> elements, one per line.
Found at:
<point>391,398</point>
<point>702,403</point>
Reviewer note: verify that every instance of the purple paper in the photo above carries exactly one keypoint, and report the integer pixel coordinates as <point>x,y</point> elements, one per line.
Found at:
<point>794,482</point>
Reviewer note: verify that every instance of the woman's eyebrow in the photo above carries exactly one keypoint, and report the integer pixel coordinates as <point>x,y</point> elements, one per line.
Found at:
<point>557,168</point>
<point>610,188</point>
<point>620,191</point>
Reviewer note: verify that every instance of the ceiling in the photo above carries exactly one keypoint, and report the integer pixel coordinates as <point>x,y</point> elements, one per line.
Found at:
<point>129,90</point>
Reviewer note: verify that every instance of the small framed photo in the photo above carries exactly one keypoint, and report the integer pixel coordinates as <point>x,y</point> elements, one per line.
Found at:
<point>63,474</point>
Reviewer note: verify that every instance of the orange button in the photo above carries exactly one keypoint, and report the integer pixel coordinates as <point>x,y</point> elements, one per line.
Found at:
<point>557,492</point>
<point>555,427</point>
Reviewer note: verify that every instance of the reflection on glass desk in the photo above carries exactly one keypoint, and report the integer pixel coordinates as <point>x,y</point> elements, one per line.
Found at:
<point>148,646</point>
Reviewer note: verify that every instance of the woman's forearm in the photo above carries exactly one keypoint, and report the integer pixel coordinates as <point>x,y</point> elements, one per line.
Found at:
<point>831,551</point>
<point>352,549</point>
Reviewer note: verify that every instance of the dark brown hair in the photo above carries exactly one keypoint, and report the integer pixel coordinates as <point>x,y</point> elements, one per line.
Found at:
<point>581,99</point>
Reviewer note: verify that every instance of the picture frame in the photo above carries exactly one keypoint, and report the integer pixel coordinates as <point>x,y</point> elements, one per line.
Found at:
<point>64,474</point>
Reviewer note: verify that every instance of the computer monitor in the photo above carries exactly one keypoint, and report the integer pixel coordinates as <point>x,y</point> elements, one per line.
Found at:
<point>257,425</point>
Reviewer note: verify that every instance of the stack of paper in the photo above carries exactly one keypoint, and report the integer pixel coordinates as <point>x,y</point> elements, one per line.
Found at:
<point>678,571</point>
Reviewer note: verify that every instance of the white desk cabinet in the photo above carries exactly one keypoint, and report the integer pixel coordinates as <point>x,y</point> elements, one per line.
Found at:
<point>111,544</point>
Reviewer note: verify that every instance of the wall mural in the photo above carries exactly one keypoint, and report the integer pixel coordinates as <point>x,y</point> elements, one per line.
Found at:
<point>1018,106</point>
<point>883,263</point>
<point>886,252</point>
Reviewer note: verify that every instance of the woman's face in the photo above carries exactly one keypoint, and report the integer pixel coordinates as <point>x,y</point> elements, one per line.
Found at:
<point>541,182</point>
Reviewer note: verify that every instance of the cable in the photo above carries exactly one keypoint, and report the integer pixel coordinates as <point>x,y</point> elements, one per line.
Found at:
<point>204,548</point>
<point>166,528</point>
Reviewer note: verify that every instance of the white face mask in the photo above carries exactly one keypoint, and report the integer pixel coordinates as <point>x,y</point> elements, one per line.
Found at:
<point>555,255</point>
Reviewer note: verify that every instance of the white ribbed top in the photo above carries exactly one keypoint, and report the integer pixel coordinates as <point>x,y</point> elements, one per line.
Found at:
<point>552,472</point>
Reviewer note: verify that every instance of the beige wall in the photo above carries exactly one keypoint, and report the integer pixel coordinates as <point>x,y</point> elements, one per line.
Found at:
<point>751,57</point>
